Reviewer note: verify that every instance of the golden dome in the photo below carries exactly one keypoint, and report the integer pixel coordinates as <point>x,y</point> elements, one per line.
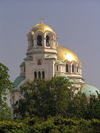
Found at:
<point>66,54</point>
<point>42,27</point>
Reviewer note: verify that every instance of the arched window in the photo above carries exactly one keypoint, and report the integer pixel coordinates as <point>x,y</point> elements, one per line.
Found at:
<point>72,68</point>
<point>43,75</point>
<point>39,75</point>
<point>66,67</point>
<point>35,75</point>
<point>39,40</point>
<point>57,67</point>
<point>47,41</point>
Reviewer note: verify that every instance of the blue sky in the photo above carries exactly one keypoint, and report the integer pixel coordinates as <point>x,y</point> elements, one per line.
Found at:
<point>76,22</point>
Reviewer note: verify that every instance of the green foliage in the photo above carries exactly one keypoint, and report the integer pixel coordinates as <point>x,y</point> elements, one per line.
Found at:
<point>10,125</point>
<point>48,107</point>
<point>77,106</point>
<point>56,124</point>
<point>44,98</point>
<point>5,84</point>
<point>93,108</point>
<point>55,97</point>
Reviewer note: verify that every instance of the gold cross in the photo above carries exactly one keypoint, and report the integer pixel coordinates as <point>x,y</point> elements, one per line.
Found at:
<point>41,20</point>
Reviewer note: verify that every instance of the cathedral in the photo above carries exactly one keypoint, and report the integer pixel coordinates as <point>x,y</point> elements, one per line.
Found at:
<point>46,59</point>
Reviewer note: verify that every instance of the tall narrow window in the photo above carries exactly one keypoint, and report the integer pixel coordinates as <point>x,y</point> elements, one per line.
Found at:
<point>39,40</point>
<point>24,68</point>
<point>35,75</point>
<point>39,75</point>
<point>47,41</point>
<point>32,42</point>
<point>66,67</point>
<point>77,69</point>
<point>43,75</point>
<point>72,68</point>
<point>57,67</point>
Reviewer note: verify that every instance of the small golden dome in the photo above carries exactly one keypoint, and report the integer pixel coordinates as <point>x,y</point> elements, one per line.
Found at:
<point>66,54</point>
<point>41,27</point>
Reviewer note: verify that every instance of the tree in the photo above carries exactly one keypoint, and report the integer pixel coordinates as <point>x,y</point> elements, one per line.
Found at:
<point>78,106</point>
<point>83,107</point>
<point>93,108</point>
<point>44,98</point>
<point>5,84</point>
<point>55,97</point>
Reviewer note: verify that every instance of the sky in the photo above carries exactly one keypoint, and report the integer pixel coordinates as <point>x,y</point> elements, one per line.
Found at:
<point>76,23</point>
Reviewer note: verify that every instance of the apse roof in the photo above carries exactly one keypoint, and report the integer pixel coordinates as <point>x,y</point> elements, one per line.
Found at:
<point>18,80</point>
<point>89,90</point>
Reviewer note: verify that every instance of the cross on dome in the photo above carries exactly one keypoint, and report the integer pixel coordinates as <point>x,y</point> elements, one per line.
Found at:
<point>41,20</point>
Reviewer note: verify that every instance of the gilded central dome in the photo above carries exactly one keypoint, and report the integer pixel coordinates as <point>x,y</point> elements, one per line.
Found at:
<point>66,54</point>
<point>42,27</point>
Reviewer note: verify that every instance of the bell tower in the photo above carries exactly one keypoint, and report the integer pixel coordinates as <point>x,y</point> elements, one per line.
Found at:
<point>41,37</point>
<point>41,52</point>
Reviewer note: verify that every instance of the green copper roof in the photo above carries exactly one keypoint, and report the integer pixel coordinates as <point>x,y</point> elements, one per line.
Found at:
<point>28,57</point>
<point>49,57</point>
<point>62,75</point>
<point>59,62</point>
<point>18,80</point>
<point>22,64</point>
<point>74,80</point>
<point>90,90</point>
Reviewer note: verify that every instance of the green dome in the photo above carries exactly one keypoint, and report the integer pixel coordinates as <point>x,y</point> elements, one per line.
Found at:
<point>89,90</point>
<point>18,80</point>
